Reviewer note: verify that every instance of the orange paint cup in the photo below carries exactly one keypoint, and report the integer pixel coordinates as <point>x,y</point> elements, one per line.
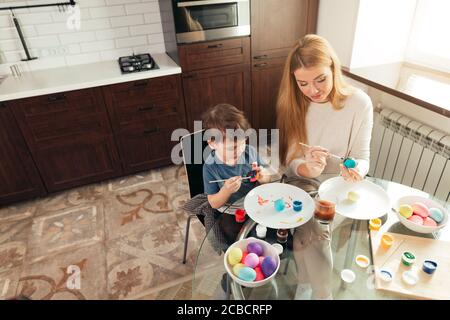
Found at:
<point>375,224</point>
<point>386,241</point>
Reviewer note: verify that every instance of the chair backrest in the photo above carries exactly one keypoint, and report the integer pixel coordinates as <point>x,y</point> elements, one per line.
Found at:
<point>193,159</point>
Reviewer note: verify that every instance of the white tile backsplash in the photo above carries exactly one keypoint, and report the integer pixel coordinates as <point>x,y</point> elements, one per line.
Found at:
<point>108,30</point>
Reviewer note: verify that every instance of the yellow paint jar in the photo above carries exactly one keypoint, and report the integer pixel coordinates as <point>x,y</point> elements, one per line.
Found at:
<point>375,224</point>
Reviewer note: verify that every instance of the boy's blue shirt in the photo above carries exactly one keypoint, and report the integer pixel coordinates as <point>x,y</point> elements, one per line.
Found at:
<point>214,169</point>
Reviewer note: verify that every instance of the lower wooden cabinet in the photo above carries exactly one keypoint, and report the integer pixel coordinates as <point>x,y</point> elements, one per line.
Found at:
<point>69,136</point>
<point>82,161</point>
<point>19,178</point>
<point>143,117</point>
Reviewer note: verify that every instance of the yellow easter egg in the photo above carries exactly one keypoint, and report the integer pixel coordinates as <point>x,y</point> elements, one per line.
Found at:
<point>406,210</point>
<point>238,267</point>
<point>352,196</point>
<point>234,256</point>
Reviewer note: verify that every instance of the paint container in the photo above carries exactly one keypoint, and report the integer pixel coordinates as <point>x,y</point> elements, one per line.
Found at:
<point>410,277</point>
<point>408,258</point>
<point>362,261</point>
<point>239,215</point>
<point>297,206</point>
<point>386,275</point>
<point>279,205</point>
<point>282,235</point>
<point>261,231</point>
<point>386,241</point>
<point>375,224</point>
<point>347,277</point>
<point>429,266</point>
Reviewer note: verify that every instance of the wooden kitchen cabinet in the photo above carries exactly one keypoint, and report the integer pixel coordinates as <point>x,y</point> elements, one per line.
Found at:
<point>216,72</point>
<point>275,28</point>
<point>19,178</point>
<point>206,88</point>
<point>144,114</point>
<point>266,78</point>
<point>69,136</point>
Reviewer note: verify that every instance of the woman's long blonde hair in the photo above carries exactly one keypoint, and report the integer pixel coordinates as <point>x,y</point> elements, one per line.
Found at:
<point>292,106</point>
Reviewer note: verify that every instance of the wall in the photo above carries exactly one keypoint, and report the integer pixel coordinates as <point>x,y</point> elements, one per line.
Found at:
<point>109,29</point>
<point>337,22</point>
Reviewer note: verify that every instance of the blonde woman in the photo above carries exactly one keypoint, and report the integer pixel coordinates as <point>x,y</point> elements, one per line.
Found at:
<point>316,107</point>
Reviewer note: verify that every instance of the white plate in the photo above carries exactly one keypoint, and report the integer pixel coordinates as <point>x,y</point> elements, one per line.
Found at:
<point>373,201</point>
<point>266,214</point>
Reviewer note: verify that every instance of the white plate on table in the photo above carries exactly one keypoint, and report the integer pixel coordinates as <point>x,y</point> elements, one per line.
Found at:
<point>373,201</point>
<point>265,213</point>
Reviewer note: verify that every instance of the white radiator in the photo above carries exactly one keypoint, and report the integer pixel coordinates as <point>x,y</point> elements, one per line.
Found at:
<point>410,153</point>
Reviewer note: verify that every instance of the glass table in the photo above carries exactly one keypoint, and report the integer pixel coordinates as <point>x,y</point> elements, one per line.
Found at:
<point>349,238</point>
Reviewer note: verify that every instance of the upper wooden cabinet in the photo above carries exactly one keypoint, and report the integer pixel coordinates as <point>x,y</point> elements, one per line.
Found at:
<point>206,88</point>
<point>276,25</point>
<point>19,178</point>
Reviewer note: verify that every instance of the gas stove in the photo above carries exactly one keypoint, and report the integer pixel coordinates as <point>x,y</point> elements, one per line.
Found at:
<point>136,63</point>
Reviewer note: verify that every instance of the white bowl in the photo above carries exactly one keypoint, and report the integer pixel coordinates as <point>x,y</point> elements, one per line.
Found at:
<point>430,204</point>
<point>269,250</point>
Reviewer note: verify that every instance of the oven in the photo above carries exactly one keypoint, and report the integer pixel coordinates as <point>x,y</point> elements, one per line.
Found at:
<point>203,20</point>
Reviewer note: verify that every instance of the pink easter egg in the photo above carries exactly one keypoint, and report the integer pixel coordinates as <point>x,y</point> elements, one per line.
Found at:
<point>429,222</point>
<point>420,209</point>
<point>259,274</point>
<point>251,260</point>
<point>416,219</point>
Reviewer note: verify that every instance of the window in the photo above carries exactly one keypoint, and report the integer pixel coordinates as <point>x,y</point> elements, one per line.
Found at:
<point>429,43</point>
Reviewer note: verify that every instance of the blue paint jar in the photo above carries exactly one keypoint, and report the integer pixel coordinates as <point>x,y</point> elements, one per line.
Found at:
<point>297,205</point>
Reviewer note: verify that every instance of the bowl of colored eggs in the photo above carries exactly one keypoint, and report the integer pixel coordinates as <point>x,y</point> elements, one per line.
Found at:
<point>421,214</point>
<point>251,262</point>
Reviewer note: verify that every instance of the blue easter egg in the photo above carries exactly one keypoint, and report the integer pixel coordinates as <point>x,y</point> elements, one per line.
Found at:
<point>268,266</point>
<point>436,214</point>
<point>255,248</point>
<point>247,274</point>
<point>350,163</point>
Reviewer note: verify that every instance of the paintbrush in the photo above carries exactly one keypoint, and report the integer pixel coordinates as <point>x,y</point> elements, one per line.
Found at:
<point>222,180</point>
<point>330,154</point>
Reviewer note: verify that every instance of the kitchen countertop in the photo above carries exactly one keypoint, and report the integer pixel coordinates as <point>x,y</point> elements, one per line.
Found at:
<point>55,80</point>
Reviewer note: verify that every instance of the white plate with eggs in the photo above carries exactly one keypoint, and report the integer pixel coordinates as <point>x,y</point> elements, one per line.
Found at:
<point>362,200</point>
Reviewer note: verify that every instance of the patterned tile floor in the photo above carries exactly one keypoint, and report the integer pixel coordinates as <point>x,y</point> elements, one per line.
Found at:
<point>124,237</point>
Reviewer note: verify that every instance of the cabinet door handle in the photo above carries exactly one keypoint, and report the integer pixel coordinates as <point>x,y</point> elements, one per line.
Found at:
<point>141,83</point>
<point>264,56</point>
<point>56,97</point>
<point>151,131</point>
<point>189,76</point>
<point>214,46</point>
<point>258,65</point>
<point>142,108</point>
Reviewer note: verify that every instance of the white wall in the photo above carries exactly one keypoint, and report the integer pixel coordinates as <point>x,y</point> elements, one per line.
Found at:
<point>109,29</point>
<point>382,32</point>
<point>337,23</point>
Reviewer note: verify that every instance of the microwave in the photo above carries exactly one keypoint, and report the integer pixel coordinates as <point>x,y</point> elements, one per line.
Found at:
<point>204,20</point>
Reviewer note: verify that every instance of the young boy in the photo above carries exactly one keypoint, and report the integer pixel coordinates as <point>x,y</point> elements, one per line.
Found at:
<point>231,158</point>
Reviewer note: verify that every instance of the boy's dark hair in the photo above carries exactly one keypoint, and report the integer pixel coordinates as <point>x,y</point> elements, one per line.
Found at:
<point>225,116</point>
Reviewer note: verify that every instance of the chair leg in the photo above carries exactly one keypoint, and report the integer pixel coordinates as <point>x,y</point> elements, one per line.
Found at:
<point>186,237</point>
